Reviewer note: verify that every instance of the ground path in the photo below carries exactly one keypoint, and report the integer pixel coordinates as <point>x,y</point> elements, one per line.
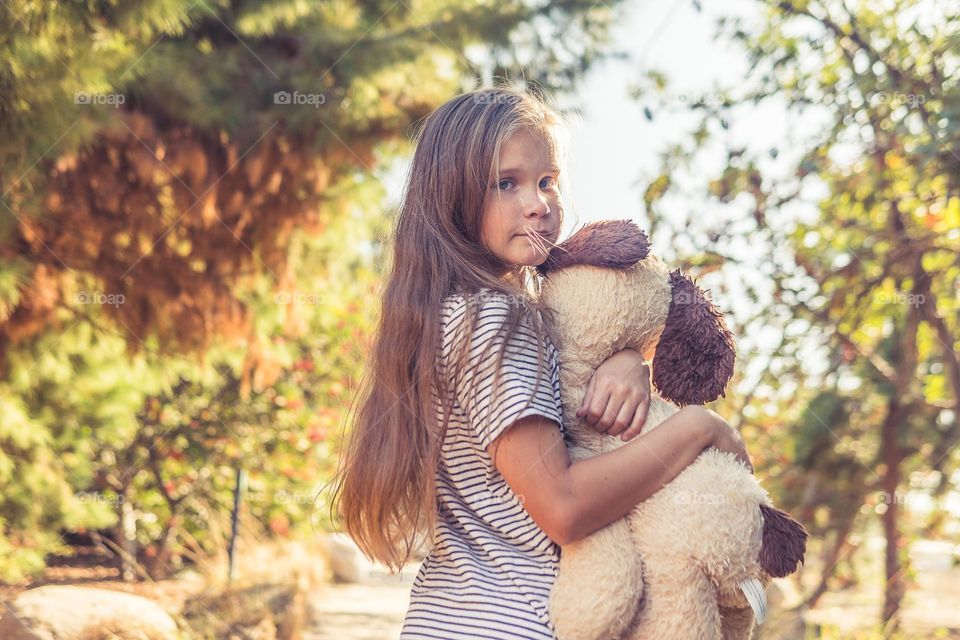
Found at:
<point>372,609</point>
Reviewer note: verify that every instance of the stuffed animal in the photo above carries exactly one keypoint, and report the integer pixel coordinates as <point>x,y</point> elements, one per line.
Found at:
<point>693,560</point>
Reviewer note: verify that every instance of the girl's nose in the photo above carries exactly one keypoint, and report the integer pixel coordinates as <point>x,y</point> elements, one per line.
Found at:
<point>538,207</point>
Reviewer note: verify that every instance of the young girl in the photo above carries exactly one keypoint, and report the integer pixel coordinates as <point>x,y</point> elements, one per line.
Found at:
<point>458,435</point>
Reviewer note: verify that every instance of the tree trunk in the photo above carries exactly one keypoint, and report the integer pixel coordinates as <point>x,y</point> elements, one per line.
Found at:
<point>838,551</point>
<point>899,407</point>
<point>889,481</point>
<point>128,539</point>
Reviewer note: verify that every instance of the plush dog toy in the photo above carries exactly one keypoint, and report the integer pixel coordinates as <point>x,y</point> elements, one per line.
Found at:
<point>693,560</point>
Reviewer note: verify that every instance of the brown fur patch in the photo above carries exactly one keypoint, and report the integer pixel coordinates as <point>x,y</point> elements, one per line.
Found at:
<point>784,542</point>
<point>614,244</point>
<point>695,356</point>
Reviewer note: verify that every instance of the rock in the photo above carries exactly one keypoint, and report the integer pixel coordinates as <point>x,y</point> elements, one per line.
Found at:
<point>254,612</point>
<point>346,560</point>
<point>348,564</point>
<point>81,613</point>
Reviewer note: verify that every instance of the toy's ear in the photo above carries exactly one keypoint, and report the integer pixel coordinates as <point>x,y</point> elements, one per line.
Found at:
<point>695,354</point>
<point>614,244</point>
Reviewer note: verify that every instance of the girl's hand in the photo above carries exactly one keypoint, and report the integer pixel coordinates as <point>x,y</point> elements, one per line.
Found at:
<point>618,397</point>
<point>722,435</point>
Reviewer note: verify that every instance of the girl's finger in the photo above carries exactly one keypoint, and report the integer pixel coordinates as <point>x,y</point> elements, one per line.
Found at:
<point>597,411</point>
<point>608,416</point>
<point>639,419</point>
<point>624,417</point>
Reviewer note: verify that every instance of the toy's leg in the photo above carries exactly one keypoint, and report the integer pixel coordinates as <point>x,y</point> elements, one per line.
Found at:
<point>736,624</point>
<point>598,587</point>
<point>679,602</point>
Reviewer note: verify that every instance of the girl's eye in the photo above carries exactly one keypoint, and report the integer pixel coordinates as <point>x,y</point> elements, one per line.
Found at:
<point>500,185</point>
<point>550,183</point>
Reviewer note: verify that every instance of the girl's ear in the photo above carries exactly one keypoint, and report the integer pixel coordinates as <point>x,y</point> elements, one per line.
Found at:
<point>695,354</point>
<point>613,244</point>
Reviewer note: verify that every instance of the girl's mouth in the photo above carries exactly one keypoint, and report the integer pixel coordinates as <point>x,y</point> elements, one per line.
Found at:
<point>538,240</point>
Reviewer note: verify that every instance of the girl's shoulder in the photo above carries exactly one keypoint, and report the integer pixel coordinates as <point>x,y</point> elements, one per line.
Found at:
<point>485,299</point>
<point>483,311</point>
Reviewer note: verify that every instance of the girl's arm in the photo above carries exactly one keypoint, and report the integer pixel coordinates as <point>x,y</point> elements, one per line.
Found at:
<point>571,501</point>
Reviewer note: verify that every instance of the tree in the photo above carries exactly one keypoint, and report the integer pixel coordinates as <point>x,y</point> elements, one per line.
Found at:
<point>167,148</point>
<point>867,276</point>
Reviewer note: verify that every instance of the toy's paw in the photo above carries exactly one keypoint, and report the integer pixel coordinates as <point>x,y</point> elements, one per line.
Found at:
<point>756,595</point>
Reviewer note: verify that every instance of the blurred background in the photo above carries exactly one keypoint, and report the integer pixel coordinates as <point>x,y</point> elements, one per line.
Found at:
<point>195,205</point>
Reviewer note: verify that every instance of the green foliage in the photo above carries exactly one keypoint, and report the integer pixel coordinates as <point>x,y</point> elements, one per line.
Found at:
<point>217,65</point>
<point>57,51</point>
<point>187,261</point>
<point>89,426</point>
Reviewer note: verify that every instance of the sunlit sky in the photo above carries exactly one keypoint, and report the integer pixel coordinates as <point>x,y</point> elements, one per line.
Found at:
<point>613,145</point>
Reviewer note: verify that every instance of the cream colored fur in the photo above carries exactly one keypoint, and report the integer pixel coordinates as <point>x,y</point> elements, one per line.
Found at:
<point>664,570</point>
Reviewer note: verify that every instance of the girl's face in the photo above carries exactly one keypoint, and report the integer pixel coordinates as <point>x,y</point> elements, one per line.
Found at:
<point>521,215</point>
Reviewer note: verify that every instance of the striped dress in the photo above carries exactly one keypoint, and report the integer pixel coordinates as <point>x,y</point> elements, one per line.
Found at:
<point>491,569</point>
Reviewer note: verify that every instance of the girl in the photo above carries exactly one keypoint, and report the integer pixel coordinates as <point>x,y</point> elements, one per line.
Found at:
<point>458,435</point>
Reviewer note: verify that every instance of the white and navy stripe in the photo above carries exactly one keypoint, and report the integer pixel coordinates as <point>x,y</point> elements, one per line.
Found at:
<point>491,569</point>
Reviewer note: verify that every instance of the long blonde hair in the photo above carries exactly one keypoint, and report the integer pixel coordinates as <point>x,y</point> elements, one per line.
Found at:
<point>384,489</point>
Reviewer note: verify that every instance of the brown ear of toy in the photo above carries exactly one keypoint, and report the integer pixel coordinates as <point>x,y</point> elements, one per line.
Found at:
<point>784,542</point>
<point>614,244</point>
<point>695,354</point>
